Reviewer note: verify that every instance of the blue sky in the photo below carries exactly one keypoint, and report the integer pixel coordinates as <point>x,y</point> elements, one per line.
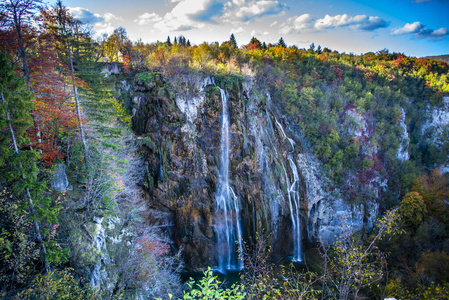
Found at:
<point>414,27</point>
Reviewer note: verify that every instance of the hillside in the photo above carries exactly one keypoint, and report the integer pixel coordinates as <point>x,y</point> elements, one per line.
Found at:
<point>444,58</point>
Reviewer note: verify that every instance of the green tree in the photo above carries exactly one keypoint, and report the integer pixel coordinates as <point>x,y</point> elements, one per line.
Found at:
<point>282,43</point>
<point>208,288</point>
<point>233,41</point>
<point>311,47</point>
<point>18,169</point>
<point>168,42</point>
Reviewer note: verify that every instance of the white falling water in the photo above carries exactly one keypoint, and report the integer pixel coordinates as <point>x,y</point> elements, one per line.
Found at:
<point>294,211</point>
<point>293,198</point>
<point>227,225</point>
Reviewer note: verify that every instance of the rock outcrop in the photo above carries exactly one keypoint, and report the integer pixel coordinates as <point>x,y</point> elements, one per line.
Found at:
<point>59,181</point>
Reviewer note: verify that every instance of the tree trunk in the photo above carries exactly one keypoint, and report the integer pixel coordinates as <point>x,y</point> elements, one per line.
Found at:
<point>72,74</point>
<point>22,49</point>
<point>75,92</point>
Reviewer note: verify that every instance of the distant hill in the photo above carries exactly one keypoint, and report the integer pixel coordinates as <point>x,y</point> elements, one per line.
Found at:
<point>444,58</point>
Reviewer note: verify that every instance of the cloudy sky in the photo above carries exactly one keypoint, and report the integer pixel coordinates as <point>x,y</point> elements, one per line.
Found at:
<point>413,27</point>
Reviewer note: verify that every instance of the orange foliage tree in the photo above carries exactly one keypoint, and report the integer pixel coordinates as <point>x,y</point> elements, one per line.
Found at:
<point>35,52</point>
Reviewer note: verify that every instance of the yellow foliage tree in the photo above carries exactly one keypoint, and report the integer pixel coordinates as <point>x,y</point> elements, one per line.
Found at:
<point>413,209</point>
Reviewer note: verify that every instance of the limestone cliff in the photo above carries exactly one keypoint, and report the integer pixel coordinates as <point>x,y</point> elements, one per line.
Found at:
<point>178,123</point>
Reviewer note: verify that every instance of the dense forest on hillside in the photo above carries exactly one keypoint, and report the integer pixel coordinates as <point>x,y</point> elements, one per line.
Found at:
<point>74,185</point>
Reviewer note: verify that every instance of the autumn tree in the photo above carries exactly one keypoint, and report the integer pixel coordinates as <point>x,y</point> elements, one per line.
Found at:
<point>117,43</point>
<point>413,209</point>
<point>434,190</point>
<point>53,114</point>
<point>54,109</point>
<point>139,53</point>
<point>254,44</point>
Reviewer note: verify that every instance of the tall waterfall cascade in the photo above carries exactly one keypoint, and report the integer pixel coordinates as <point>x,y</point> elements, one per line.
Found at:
<point>294,199</point>
<point>227,215</point>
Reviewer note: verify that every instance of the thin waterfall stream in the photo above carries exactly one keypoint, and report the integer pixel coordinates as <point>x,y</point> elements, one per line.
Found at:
<point>227,214</point>
<point>294,197</point>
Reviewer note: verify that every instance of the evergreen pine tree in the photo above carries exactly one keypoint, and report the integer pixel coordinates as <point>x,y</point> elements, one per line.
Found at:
<point>282,43</point>
<point>233,41</point>
<point>182,40</point>
<point>311,48</point>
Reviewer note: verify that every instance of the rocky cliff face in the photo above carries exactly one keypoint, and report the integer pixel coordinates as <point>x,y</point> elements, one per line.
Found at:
<point>281,187</point>
<point>435,130</point>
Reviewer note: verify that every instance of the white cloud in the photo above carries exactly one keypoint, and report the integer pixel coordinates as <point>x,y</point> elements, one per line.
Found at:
<point>370,23</point>
<point>329,21</point>
<point>101,29</point>
<point>419,30</point>
<point>147,18</point>
<point>436,35</point>
<point>440,32</point>
<point>409,28</point>
<point>240,10</point>
<point>256,33</point>
<point>256,9</point>
<point>109,17</point>
<point>188,14</point>
<point>110,22</point>
<point>236,31</point>
<point>296,24</point>
<point>359,22</point>
<point>238,2</point>
<point>84,15</point>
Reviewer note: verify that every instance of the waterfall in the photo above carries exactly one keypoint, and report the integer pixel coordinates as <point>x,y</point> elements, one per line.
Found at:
<point>294,198</point>
<point>294,211</point>
<point>227,224</point>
